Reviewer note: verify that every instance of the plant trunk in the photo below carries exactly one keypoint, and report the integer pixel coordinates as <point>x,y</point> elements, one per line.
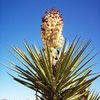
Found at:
<point>54,97</point>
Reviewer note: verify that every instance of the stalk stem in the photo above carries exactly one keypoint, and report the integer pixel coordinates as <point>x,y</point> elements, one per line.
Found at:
<point>54,97</point>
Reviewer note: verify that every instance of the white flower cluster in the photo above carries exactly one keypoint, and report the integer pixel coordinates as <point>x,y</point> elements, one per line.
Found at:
<point>51,30</point>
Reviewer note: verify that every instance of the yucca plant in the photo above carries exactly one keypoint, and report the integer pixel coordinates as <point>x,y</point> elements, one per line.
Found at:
<point>56,71</point>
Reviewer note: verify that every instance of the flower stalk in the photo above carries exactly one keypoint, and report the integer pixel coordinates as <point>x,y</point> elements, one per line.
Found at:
<point>51,31</point>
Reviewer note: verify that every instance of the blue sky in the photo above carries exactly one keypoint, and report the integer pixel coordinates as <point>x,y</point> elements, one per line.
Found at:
<point>21,19</point>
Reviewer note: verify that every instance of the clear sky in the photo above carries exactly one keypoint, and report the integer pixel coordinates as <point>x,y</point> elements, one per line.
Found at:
<point>21,19</point>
